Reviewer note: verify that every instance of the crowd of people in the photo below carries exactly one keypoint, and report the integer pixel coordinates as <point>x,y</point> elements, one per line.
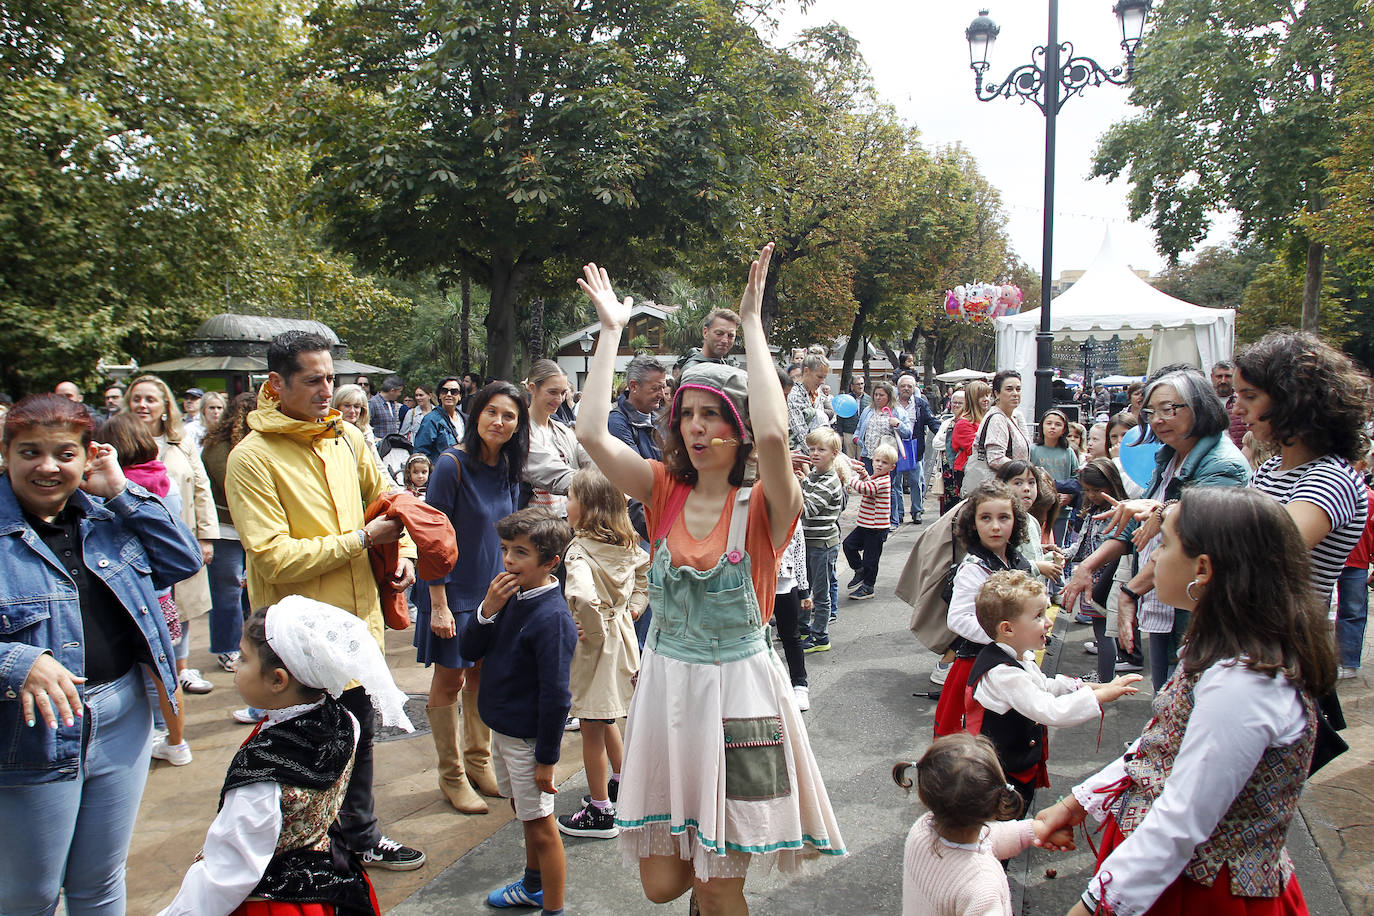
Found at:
<point>666,554</point>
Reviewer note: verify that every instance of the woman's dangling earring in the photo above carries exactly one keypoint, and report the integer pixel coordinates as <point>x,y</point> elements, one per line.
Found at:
<point>1189,590</point>
<point>164,418</point>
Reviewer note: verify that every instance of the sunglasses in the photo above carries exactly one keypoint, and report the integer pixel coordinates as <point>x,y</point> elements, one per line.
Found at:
<point>449,390</point>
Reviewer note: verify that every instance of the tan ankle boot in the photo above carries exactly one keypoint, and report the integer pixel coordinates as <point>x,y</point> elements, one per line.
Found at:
<point>477,748</point>
<point>443,723</point>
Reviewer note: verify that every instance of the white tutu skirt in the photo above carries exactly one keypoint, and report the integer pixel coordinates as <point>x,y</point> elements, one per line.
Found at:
<point>675,798</point>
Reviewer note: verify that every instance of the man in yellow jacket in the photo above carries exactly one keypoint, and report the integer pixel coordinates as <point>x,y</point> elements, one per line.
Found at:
<point>297,486</point>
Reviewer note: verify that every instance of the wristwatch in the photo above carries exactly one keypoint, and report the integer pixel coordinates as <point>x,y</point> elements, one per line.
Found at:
<point>1126,591</point>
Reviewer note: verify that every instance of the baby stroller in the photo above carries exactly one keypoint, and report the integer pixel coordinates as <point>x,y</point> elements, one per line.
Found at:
<point>395,450</point>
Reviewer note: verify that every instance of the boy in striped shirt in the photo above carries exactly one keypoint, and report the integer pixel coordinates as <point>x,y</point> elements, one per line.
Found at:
<point>863,548</point>
<point>822,499</point>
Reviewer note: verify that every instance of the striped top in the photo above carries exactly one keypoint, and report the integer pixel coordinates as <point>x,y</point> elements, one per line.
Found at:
<point>875,504</point>
<point>1336,488</point>
<point>822,500</point>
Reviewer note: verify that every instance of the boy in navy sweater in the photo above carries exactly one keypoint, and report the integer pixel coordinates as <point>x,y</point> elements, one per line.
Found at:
<point>524,635</point>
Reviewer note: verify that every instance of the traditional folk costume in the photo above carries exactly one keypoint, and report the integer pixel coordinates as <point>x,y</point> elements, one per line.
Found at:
<point>718,768</point>
<point>1012,702</point>
<point>268,851</point>
<point>1195,814</point>
<point>975,569</point>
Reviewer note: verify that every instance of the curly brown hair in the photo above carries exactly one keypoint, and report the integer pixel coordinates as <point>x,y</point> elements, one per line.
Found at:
<point>966,528</point>
<point>1318,396</point>
<point>679,463</point>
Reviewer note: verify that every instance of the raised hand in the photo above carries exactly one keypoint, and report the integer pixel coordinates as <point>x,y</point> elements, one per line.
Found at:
<point>610,311</point>
<point>104,477</point>
<point>751,303</point>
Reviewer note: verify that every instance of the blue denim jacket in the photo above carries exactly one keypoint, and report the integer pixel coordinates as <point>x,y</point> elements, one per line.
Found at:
<point>136,546</point>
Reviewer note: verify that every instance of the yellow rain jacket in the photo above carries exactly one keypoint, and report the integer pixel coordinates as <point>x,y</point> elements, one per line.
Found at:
<point>297,490</point>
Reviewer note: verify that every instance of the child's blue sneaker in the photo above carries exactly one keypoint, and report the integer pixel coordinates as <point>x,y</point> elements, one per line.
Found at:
<point>514,894</point>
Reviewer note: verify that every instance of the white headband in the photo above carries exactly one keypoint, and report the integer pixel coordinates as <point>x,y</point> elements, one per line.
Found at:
<point>326,648</point>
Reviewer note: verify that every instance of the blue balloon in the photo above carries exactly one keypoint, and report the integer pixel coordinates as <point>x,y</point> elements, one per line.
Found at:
<point>844,405</point>
<point>1138,460</point>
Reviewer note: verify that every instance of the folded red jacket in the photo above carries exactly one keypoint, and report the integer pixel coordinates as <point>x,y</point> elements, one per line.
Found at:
<point>436,547</point>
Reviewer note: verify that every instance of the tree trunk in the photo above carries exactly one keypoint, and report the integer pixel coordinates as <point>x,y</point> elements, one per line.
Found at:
<point>506,280</point>
<point>768,307</point>
<point>851,347</point>
<point>535,341</point>
<point>464,326</point>
<point>1312,287</point>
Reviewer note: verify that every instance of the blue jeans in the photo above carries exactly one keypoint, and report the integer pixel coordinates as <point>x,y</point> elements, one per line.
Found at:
<point>226,596</point>
<point>1352,607</point>
<point>76,833</point>
<point>917,482</point>
<point>820,569</point>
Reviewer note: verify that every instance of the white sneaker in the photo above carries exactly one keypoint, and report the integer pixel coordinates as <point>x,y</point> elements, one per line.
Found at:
<point>247,715</point>
<point>228,661</point>
<point>192,682</point>
<point>803,695</point>
<point>941,672</point>
<point>572,725</point>
<point>1344,674</point>
<point>178,755</point>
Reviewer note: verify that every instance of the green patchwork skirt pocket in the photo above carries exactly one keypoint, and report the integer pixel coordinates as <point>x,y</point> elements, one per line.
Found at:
<point>755,760</point>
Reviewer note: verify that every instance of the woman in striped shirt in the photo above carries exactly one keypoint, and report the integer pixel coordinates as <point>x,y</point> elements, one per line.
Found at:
<point>1309,401</point>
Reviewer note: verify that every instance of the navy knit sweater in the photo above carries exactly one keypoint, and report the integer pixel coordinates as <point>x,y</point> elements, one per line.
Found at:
<point>528,650</point>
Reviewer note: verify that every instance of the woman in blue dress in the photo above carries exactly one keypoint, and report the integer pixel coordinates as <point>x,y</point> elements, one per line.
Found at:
<point>476,483</point>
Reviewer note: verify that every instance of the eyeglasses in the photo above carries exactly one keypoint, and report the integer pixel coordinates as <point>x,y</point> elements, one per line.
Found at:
<point>449,390</point>
<point>1164,411</point>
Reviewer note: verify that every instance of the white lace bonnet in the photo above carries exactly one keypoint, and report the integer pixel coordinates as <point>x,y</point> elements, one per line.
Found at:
<point>326,647</point>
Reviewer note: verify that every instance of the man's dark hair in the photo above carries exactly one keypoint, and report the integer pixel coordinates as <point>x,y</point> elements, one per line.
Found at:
<point>393,383</point>
<point>284,352</point>
<point>547,532</point>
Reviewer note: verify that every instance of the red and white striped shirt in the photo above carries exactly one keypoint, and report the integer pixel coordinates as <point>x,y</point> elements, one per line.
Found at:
<point>875,508</point>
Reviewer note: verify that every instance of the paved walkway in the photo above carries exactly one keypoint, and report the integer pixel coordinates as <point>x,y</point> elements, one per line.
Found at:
<point>864,718</point>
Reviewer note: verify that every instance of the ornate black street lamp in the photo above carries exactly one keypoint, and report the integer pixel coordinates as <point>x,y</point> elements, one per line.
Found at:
<point>1052,78</point>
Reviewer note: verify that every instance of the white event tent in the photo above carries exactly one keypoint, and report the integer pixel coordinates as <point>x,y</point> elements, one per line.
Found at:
<point>1110,299</point>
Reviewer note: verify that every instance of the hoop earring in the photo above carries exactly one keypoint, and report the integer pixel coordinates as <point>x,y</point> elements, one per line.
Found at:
<point>1189,590</point>
<point>164,418</point>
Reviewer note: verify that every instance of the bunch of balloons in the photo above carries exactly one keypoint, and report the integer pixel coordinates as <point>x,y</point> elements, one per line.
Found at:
<point>982,301</point>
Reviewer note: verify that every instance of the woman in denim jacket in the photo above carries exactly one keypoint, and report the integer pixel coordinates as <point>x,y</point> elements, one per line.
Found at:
<point>82,553</point>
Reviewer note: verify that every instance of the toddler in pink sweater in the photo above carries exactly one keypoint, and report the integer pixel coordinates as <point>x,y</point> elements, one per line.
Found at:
<point>952,861</point>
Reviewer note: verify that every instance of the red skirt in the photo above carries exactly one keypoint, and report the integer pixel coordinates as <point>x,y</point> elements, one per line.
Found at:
<point>277,908</point>
<point>1188,896</point>
<point>949,712</point>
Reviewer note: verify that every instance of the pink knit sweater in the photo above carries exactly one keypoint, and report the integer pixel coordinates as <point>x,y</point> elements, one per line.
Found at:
<point>943,879</point>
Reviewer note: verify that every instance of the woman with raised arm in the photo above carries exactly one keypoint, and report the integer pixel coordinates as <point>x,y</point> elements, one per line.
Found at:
<point>714,712</point>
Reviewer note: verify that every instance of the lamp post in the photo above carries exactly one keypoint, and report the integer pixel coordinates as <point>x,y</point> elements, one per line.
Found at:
<point>1054,76</point>
<point>585,342</point>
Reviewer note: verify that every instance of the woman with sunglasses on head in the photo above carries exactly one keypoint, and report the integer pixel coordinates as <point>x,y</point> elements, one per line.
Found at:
<point>443,427</point>
<point>1183,413</point>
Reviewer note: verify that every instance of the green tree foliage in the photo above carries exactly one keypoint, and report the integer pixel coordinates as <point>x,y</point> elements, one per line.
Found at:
<point>1239,111</point>
<point>138,181</point>
<point>1348,220</point>
<point>1215,277</point>
<point>1273,299</point>
<point>512,141</point>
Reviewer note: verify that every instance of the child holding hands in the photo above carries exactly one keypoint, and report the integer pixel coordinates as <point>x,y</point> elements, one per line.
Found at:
<point>524,635</point>
<point>1010,700</point>
<point>607,590</point>
<point>268,850</point>
<point>951,865</point>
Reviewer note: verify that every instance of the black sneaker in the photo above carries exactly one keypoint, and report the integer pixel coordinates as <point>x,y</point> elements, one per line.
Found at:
<point>612,791</point>
<point>857,580</point>
<point>392,856</point>
<point>591,821</point>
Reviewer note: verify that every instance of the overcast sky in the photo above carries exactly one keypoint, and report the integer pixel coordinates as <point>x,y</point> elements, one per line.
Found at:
<point>919,58</point>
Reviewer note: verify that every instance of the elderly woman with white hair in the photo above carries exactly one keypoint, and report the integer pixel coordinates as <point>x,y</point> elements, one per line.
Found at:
<point>1183,413</point>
